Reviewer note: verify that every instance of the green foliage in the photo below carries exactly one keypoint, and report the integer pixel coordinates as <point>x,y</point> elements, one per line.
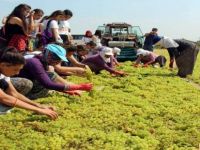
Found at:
<point>150,109</point>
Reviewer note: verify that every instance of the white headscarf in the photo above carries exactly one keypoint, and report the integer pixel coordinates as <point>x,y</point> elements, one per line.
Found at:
<point>167,42</point>
<point>143,52</point>
<point>116,50</point>
<point>106,51</point>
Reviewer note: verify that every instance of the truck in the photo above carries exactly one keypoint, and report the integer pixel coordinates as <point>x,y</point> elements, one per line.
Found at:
<point>124,36</point>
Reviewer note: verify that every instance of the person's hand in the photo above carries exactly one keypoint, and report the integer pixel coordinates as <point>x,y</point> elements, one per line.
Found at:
<point>73,93</point>
<point>45,107</point>
<point>48,112</point>
<point>145,65</point>
<point>32,13</point>
<point>120,73</point>
<point>135,65</point>
<point>51,69</point>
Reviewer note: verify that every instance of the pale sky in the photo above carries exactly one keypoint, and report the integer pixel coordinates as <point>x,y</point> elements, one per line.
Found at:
<point>173,18</point>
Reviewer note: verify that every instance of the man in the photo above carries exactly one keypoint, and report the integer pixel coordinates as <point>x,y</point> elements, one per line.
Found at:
<point>150,39</point>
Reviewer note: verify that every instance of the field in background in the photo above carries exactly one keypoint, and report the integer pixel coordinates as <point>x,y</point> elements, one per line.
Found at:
<point>150,109</point>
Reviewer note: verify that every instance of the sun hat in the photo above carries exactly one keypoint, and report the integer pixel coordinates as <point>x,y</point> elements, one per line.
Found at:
<point>142,52</point>
<point>116,50</point>
<point>107,51</point>
<point>58,50</point>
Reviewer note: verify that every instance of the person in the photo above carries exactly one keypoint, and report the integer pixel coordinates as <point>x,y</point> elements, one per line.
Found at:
<point>92,48</point>
<point>73,66</point>
<point>50,33</point>
<point>40,71</point>
<point>116,51</point>
<point>150,39</point>
<point>4,20</point>
<point>87,37</point>
<point>96,38</point>
<point>12,90</point>
<point>81,53</point>
<point>65,29</point>
<point>149,58</point>
<point>33,37</point>
<point>16,27</point>
<point>102,61</point>
<point>171,47</point>
<point>185,53</point>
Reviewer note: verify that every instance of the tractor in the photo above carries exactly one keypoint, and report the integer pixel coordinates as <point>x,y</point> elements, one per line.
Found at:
<point>124,36</point>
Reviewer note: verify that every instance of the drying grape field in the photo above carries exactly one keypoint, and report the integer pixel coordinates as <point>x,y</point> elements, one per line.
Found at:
<point>150,109</point>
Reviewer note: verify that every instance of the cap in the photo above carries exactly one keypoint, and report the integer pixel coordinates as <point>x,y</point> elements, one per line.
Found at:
<point>58,50</point>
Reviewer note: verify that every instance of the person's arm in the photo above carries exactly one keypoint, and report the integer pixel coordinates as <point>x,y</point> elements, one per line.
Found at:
<point>138,60</point>
<point>12,101</point>
<point>75,62</point>
<point>151,60</point>
<point>54,29</point>
<point>56,36</point>
<point>18,21</point>
<point>68,70</point>
<point>31,25</point>
<point>13,92</point>
<point>115,61</point>
<point>37,70</point>
<point>4,20</point>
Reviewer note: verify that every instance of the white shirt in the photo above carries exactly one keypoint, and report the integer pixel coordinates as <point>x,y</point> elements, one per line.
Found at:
<point>64,27</point>
<point>97,40</point>
<point>86,39</point>
<point>4,77</point>
<point>53,25</point>
<point>167,42</point>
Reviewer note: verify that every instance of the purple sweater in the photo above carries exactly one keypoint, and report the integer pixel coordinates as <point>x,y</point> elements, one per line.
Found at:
<point>96,64</point>
<point>34,70</point>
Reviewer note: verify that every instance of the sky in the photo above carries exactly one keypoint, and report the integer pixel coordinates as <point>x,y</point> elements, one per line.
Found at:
<point>173,18</point>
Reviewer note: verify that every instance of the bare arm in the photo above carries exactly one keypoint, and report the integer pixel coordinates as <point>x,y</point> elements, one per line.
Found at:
<point>31,25</point>
<point>18,21</point>
<point>75,62</point>
<point>12,101</point>
<point>56,35</point>
<point>13,92</point>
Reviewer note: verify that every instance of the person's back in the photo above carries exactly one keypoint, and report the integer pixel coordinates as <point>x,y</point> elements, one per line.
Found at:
<point>149,39</point>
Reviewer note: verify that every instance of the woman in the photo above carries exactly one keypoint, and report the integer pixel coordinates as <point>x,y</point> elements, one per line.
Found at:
<point>35,33</point>
<point>116,51</point>
<point>17,29</point>
<point>183,51</point>
<point>96,38</point>
<point>171,46</point>
<point>149,58</point>
<point>65,29</point>
<point>10,64</point>
<point>51,33</point>
<point>87,37</point>
<point>102,61</point>
<point>73,67</point>
<point>41,72</point>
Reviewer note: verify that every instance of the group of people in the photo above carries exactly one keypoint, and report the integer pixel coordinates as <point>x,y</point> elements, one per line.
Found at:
<point>37,51</point>
<point>181,51</point>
